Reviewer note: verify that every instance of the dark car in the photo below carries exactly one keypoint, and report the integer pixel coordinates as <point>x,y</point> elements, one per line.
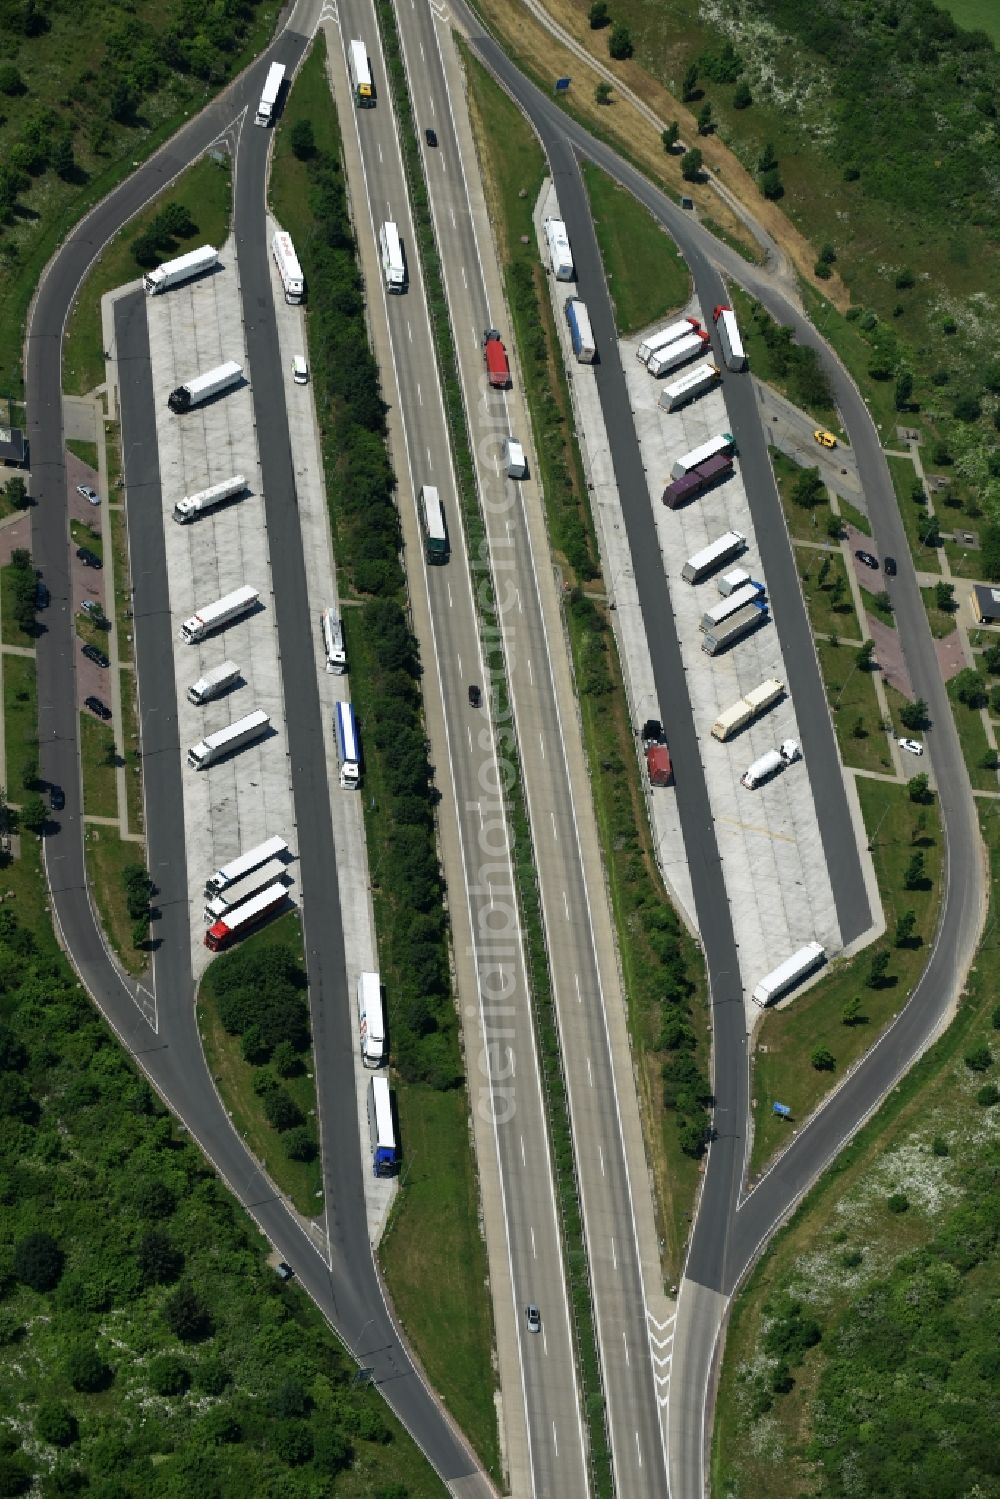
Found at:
<point>41,595</point>
<point>652,733</point>
<point>93,654</point>
<point>475,696</point>
<point>283,1270</point>
<point>867,559</point>
<point>88,558</point>
<point>57,798</point>
<point>430,136</point>
<point>890,567</point>
<point>96,706</point>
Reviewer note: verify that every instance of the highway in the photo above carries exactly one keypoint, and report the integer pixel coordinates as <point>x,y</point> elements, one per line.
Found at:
<point>610,1165</point>
<point>160,1031</point>
<point>728,1235</point>
<point>547,1372</point>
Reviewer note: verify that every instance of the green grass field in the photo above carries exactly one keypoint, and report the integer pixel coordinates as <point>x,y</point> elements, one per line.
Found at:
<point>975,15</point>
<point>107,857</point>
<point>941,621</point>
<point>20,707</point>
<point>646,275</point>
<point>97,744</point>
<point>831,608</point>
<point>854,707</point>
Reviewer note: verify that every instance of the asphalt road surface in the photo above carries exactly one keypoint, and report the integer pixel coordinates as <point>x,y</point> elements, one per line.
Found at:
<point>347,1288</point>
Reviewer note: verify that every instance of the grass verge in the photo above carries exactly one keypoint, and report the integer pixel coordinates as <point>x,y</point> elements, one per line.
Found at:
<point>913,512</point>
<point>20,711</point>
<point>814,523</point>
<point>85,451</point>
<point>301,1181</point>
<point>12,633</point>
<point>130,749</point>
<point>98,757</point>
<point>823,576</point>
<point>975,745</point>
<point>649,935</point>
<point>204,190</point>
<point>898,829</point>
<point>942,621</point>
<point>646,275</point>
<point>107,857</point>
<point>854,708</point>
<point>925,1141</point>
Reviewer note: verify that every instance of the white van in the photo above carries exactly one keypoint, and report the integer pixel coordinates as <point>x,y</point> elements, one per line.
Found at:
<point>514,459</point>
<point>371,1021</point>
<point>300,370</point>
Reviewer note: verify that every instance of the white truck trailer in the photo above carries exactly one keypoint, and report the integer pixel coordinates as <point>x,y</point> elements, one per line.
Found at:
<point>193,505</point>
<point>714,555</point>
<point>729,337</point>
<point>333,642</point>
<point>293,282</point>
<point>581,331</point>
<point>560,254</point>
<point>722,445</point>
<point>757,701</point>
<point>216,616</point>
<point>729,582</point>
<point>688,386</point>
<point>659,340</point>
<point>269,97</point>
<point>371,1020</point>
<point>173,272</point>
<point>749,618</point>
<point>676,354</point>
<point>738,599</point>
<point>241,890</point>
<point>214,683</point>
<point>789,973</point>
<point>204,387</point>
<point>768,765</point>
<point>226,741</point>
<point>229,873</point>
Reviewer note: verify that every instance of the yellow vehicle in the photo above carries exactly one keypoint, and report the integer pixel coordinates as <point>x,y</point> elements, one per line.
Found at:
<point>825,439</point>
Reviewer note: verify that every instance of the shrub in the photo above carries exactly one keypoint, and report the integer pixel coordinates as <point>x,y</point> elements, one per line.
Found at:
<point>898,1202</point>
<point>689,86</point>
<point>980,1059</point>
<point>771,184</point>
<point>915,876</point>
<point>168,1376</point>
<point>691,163</point>
<point>11,82</point>
<point>918,789</point>
<point>598,15</point>
<point>211,1376</point>
<point>602,93</point>
<point>705,124</point>
<point>988,1095</point>
<point>620,43</point>
<point>905,279</point>
<point>87,1371</point>
<point>968,408</point>
<point>822,1059</point>
<point>302,140</point>
<point>851,1258</point>
<point>995,1017</point>
<point>293,1442</point>
<point>281,1110</point>
<point>939,1146</point>
<point>970,688</point>
<point>299,1144</point>
<point>187,1316</point>
<point>914,715</point>
<point>254,1046</point>
<point>56,1424</point>
<point>38,1261</point>
<point>877,969</point>
<point>160,1261</point>
<point>219,1427</point>
<point>742,99</point>
<point>905,925</point>
<point>670,136</point>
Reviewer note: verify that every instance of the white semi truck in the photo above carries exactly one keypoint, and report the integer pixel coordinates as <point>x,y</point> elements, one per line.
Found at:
<point>766,766</point>
<point>193,505</point>
<point>173,272</point>
<point>723,549</point>
<point>214,683</point>
<point>269,97</point>
<point>292,280</point>
<point>204,387</point>
<point>659,340</point>
<point>688,386</point>
<point>216,616</point>
<point>739,597</point>
<point>221,880</point>
<point>560,254</point>
<point>729,337</point>
<point>241,890</point>
<point>722,445</point>
<point>676,353</point>
<point>789,973</point>
<point>745,620</point>
<point>371,1020</point>
<point>226,741</point>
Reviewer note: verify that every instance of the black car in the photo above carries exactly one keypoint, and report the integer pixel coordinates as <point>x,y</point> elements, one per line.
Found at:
<point>475,696</point>
<point>57,798</point>
<point>89,558</point>
<point>283,1270</point>
<point>890,567</point>
<point>96,706</point>
<point>93,654</point>
<point>430,136</point>
<point>867,559</point>
<point>41,595</point>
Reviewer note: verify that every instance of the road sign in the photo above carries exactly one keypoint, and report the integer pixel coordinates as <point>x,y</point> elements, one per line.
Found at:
<point>562,84</point>
<point>782,1109</point>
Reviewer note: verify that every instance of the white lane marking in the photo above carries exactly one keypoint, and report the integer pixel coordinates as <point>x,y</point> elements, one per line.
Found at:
<point>638,1449</point>
<point>531,674</point>
<point>534,1251</point>
<point>428,452</point>
<point>459,665</point>
<point>452,212</point>
<point>625,1341</point>
<point>566,905</point>
<point>542,743</point>
<point>421,46</point>
<point>579,996</point>
<point>555,833</point>
<point>451,602</point>
<point>409,331</point>
<point>379,153</point>
<point>420,396</point>
<point>469,732</point>
<point>555,1438</point>
<point>590,1078</point>
<point>601,1154</point>
<point>464,282</point>
<point>520,605</point>
<point>524,1161</point>
<point>614,1255</point>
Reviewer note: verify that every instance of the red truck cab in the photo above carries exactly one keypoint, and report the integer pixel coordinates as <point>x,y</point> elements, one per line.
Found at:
<point>658,766</point>
<point>495,355</point>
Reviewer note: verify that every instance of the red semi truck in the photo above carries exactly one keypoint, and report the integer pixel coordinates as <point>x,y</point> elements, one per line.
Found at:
<point>495,355</point>
<point>658,766</point>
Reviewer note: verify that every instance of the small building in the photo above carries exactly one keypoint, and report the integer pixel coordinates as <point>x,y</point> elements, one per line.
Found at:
<point>13,448</point>
<point>986,604</point>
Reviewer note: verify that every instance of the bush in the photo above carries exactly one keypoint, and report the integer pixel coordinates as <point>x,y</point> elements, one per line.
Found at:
<point>38,1262</point>
<point>742,99</point>
<point>56,1424</point>
<point>299,1144</point>
<point>187,1316</point>
<point>919,789</point>
<point>980,1059</point>
<point>603,93</point>
<point>988,1095</point>
<point>877,968</point>
<point>87,1371</point>
<point>293,1443</point>
<point>219,1427</point>
<point>168,1376</point>
<point>34,815</point>
<point>822,1059</point>
<point>670,136</point>
<point>160,1261</point>
<point>968,408</point>
<point>598,15</point>
<point>915,877</point>
<point>905,279</point>
<point>15,1474</point>
<point>281,1110</point>
<point>620,43</point>
<point>914,715</point>
<point>771,184</point>
<point>905,925</point>
<point>689,87</point>
<point>898,1202</point>
<point>705,124</point>
<point>970,688</point>
<point>11,82</point>
<point>302,140</point>
<point>691,163</point>
<point>939,1146</point>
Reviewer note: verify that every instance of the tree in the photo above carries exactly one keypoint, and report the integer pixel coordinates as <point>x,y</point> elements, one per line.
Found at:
<point>914,715</point>
<point>915,876</point>
<point>15,1474</point>
<point>219,1427</point>
<point>86,1370</point>
<point>742,99</point>
<point>864,656</point>
<point>160,1261</point>
<point>968,408</point>
<point>285,1060</point>
<point>944,596</point>
<point>56,1424</point>
<point>38,1261</point>
<point>61,158</point>
<point>17,492</point>
<point>620,43</point>
<point>34,814</point>
<point>877,969</point>
<point>898,1202</point>
<point>299,1144</point>
<point>293,1442</point>
<point>771,184</point>
<point>302,139</point>
<point>768,158</point>
<point>689,88</point>
<point>905,279</point>
<point>918,788</point>
<point>187,1316</point>
<point>851,1013</point>
<point>822,1059</point>
<point>808,489</point>
<point>988,1095</point>
<point>11,82</point>
<point>980,1059</point>
<point>254,1045</point>
<point>670,136</point>
<point>598,15</point>
<point>122,97</point>
<point>691,165</point>
<point>168,1376</point>
<point>989,552</point>
<point>602,93</point>
<point>904,390</point>
<point>991,659</point>
<point>905,925</point>
<point>705,124</point>
<point>970,688</point>
<point>281,1110</point>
